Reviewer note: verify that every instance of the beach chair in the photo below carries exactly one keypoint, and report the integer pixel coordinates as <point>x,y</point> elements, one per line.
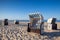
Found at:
<point>6,22</point>
<point>17,22</point>
<point>51,24</point>
<point>36,23</point>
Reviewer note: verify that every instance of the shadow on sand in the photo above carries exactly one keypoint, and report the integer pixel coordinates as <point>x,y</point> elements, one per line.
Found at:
<point>51,35</point>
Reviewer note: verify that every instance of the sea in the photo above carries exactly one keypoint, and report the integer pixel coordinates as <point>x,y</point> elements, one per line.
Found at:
<point>28,20</point>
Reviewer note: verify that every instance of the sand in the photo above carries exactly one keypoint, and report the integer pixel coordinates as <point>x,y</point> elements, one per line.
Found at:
<point>17,32</point>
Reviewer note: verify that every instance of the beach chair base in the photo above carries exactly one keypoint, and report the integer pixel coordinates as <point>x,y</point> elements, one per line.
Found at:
<point>5,23</point>
<point>28,29</point>
<point>54,26</point>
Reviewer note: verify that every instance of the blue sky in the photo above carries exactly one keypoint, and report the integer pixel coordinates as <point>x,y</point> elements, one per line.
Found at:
<point>20,9</point>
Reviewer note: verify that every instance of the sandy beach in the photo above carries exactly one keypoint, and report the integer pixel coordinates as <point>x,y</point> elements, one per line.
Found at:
<point>17,32</point>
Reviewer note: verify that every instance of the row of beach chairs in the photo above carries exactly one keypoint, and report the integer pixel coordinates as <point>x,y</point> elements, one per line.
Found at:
<point>37,23</point>
<point>6,22</point>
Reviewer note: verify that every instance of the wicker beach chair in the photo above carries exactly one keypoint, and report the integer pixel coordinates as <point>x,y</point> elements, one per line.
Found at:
<point>6,22</point>
<point>36,22</point>
<point>51,24</point>
<point>17,22</point>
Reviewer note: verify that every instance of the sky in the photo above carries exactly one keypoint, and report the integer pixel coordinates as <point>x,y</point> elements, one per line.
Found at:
<point>20,9</point>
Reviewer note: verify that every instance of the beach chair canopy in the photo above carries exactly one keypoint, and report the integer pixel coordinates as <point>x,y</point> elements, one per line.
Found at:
<point>51,20</point>
<point>35,17</point>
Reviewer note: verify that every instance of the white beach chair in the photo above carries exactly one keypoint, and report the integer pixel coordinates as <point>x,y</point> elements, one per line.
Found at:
<point>51,24</point>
